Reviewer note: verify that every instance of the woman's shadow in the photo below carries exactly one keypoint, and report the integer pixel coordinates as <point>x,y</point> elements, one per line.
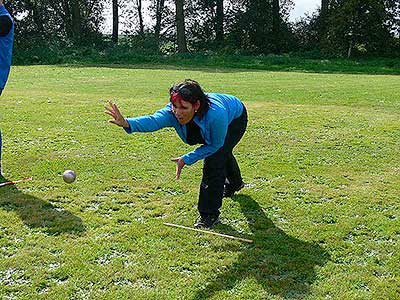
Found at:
<point>37,213</point>
<point>282,264</point>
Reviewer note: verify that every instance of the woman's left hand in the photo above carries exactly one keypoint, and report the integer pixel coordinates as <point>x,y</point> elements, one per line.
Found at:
<point>179,166</point>
<point>118,119</point>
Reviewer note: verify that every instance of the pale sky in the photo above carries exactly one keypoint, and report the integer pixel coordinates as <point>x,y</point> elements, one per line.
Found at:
<point>300,9</point>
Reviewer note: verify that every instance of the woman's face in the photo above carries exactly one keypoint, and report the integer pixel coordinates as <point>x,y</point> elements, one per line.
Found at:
<point>184,111</point>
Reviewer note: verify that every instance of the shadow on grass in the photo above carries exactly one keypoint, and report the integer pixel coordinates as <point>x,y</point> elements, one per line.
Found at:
<point>37,213</point>
<point>283,265</point>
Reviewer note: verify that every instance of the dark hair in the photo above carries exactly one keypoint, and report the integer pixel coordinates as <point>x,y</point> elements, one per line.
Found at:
<point>191,91</point>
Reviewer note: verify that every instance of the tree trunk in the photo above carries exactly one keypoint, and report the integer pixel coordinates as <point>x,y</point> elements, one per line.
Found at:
<point>35,10</point>
<point>324,15</point>
<point>350,48</point>
<point>67,18</point>
<point>180,27</point>
<point>76,19</point>
<point>276,25</point>
<point>159,15</point>
<point>323,22</point>
<point>115,21</point>
<point>140,16</point>
<point>324,6</point>
<point>219,22</point>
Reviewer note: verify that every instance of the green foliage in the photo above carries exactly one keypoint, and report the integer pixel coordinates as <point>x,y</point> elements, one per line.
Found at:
<point>360,28</point>
<point>321,166</point>
<point>307,34</point>
<point>123,54</point>
<point>146,44</point>
<point>351,28</point>
<point>60,23</point>
<point>250,28</point>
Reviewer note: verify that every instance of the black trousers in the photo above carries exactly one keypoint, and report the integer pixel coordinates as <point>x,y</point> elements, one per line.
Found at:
<point>220,167</point>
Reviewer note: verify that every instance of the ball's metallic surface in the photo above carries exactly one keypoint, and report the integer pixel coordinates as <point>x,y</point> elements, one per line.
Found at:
<point>69,176</point>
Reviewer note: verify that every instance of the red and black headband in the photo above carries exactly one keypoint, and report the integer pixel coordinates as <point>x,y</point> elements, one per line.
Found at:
<point>176,97</point>
<point>182,93</point>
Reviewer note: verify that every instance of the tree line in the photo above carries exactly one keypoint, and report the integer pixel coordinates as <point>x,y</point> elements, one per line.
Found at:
<point>339,28</point>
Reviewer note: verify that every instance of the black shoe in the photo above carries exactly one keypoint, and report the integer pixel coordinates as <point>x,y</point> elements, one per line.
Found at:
<point>206,221</point>
<point>229,191</point>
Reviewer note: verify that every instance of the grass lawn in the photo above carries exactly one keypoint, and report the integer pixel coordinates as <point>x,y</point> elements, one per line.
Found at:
<point>320,160</point>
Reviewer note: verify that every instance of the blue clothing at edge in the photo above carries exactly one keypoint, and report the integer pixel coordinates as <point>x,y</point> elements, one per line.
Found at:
<point>213,126</point>
<point>6,46</point>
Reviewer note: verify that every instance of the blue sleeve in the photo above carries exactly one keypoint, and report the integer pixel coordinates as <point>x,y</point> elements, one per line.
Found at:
<point>218,130</point>
<point>160,119</point>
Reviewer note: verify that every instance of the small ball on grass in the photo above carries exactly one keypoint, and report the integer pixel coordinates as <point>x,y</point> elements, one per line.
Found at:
<point>69,176</point>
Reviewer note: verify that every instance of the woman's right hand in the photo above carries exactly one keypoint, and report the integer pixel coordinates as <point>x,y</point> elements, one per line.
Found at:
<point>118,118</point>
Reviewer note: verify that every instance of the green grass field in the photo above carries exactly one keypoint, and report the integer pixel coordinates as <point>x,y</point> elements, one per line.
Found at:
<point>320,160</point>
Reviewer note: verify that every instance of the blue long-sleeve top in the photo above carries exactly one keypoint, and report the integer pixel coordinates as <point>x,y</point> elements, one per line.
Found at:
<point>6,45</point>
<point>213,125</point>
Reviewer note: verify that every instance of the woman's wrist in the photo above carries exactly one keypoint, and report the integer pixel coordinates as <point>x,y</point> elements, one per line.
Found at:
<point>125,124</point>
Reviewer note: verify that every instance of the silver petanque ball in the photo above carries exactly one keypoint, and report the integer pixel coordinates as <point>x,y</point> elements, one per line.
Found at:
<point>69,176</point>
